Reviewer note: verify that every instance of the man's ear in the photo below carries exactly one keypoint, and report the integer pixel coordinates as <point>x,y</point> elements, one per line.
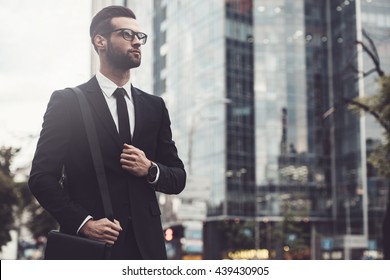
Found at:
<point>100,42</point>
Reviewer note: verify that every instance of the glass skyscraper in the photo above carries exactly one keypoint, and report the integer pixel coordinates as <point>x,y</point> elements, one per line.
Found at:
<point>256,90</point>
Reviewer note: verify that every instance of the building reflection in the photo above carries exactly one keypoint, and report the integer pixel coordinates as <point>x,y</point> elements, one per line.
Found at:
<point>284,160</point>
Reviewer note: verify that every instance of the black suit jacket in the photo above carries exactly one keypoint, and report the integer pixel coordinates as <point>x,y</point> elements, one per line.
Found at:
<point>63,143</point>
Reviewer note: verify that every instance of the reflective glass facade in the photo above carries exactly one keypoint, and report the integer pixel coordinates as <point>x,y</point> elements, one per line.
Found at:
<point>375,21</point>
<point>255,91</point>
<point>292,142</point>
<point>293,153</point>
<point>240,125</point>
<point>347,130</point>
<point>189,67</point>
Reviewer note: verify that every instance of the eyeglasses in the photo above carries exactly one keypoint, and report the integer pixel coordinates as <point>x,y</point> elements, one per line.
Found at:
<point>129,35</point>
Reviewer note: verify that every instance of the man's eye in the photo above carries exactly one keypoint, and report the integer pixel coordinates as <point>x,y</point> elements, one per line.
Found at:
<point>127,33</point>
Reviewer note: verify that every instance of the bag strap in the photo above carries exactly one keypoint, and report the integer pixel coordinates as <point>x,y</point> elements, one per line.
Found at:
<point>95,152</point>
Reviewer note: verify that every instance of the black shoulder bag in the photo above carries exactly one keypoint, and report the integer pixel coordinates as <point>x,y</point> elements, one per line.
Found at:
<point>62,246</point>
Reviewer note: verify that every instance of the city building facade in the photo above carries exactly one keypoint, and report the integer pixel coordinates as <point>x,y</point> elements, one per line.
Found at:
<point>256,90</point>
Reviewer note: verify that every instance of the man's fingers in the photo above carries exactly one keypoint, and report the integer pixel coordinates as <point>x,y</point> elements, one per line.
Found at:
<point>117,225</point>
<point>134,160</point>
<point>127,162</point>
<point>131,150</point>
<point>129,147</point>
<point>106,231</point>
<point>112,232</point>
<point>112,227</point>
<point>129,157</point>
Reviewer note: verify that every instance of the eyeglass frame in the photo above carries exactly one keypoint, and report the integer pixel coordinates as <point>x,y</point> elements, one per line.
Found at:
<point>134,34</point>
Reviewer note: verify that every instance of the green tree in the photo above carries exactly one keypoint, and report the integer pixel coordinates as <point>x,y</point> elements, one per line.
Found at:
<point>290,237</point>
<point>39,222</point>
<point>18,207</point>
<point>6,156</point>
<point>237,234</point>
<point>8,196</point>
<point>378,106</point>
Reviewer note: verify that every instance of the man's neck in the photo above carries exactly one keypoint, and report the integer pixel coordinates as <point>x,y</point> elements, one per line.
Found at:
<point>119,77</point>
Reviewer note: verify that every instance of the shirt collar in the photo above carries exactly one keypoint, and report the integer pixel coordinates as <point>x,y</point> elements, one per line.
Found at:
<point>108,87</point>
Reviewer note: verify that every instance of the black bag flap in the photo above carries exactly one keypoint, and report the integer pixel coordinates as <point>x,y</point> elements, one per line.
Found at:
<point>62,246</point>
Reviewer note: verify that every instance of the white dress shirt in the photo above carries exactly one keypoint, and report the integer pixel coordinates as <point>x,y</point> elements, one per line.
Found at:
<point>108,87</point>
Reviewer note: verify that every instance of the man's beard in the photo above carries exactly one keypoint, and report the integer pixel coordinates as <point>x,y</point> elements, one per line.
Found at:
<point>120,60</point>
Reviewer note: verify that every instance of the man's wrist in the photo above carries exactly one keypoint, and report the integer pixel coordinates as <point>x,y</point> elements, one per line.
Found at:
<point>153,173</point>
<point>89,217</point>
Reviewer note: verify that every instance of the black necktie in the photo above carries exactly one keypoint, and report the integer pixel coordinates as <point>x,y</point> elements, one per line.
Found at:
<point>123,115</point>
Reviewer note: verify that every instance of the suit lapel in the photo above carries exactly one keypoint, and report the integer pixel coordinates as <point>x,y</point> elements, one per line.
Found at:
<point>138,105</point>
<point>99,105</point>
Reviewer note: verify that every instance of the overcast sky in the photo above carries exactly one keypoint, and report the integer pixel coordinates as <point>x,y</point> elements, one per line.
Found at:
<point>44,46</point>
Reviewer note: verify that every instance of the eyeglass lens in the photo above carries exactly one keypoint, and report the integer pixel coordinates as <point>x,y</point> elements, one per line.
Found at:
<point>129,35</point>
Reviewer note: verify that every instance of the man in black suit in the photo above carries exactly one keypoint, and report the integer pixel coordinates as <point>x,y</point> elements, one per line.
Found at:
<point>136,167</point>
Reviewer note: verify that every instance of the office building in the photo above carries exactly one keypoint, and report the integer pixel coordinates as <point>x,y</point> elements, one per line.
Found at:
<point>256,91</point>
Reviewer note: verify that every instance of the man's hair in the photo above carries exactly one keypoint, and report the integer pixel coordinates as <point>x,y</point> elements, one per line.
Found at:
<point>101,22</point>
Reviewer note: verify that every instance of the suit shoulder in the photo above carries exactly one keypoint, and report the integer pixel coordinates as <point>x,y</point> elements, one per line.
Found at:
<point>91,84</point>
<point>150,97</point>
<point>64,97</point>
<point>68,93</point>
<point>63,94</point>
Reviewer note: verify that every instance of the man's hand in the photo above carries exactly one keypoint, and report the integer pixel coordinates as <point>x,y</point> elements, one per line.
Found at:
<point>102,230</point>
<point>134,161</point>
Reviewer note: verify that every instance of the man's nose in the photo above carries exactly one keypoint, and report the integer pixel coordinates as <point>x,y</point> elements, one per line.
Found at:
<point>136,41</point>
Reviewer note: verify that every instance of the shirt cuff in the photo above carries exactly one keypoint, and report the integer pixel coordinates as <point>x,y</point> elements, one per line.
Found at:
<point>83,223</point>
